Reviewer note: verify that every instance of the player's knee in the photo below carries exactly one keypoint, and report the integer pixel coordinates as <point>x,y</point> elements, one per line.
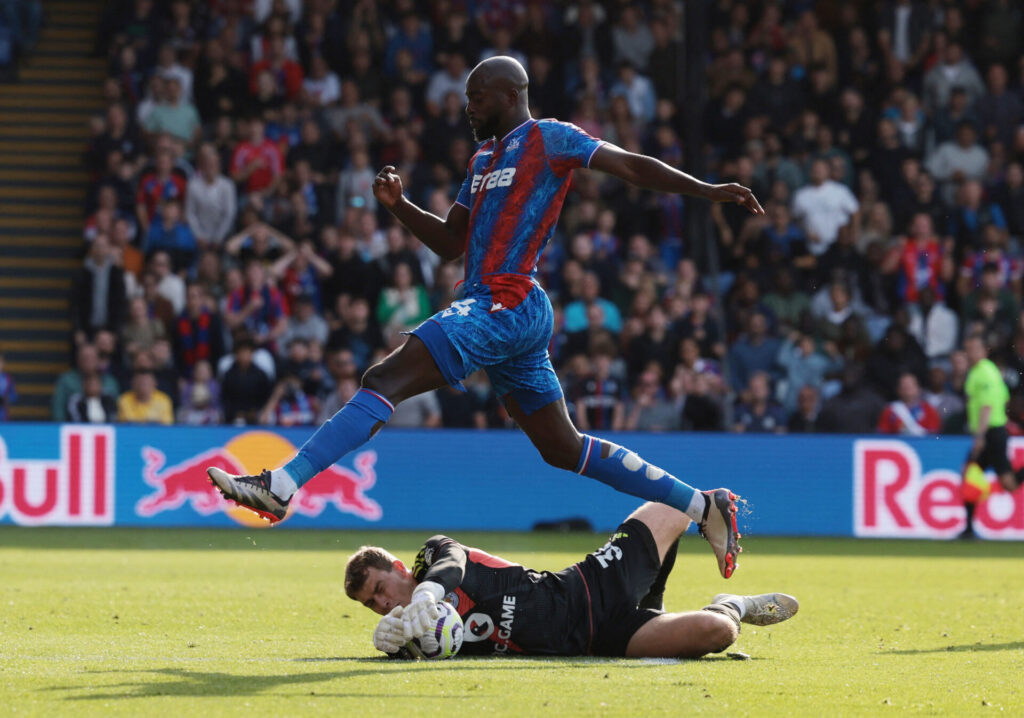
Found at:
<point>562,454</point>
<point>376,379</point>
<point>720,632</point>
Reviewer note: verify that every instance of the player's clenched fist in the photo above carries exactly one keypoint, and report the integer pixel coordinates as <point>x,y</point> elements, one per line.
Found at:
<point>421,614</point>
<point>387,187</point>
<point>388,636</point>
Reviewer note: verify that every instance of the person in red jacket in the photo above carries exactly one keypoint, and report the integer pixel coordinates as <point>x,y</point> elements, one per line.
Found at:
<point>923,262</point>
<point>257,164</point>
<point>287,74</point>
<point>911,415</point>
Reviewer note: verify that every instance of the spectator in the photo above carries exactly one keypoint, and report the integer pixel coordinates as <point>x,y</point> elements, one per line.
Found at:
<point>357,333</point>
<point>288,404</point>
<point>897,353</point>
<point>305,323</point>
<point>98,293</point>
<point>701,411</point>
<point>910,414</point>
<point>855,409</point>
<point>245,388</point>
<point>70,382</point>
<point>824,207</point>
<point>953,69</point>
<point>953,162</point>
<point>257,164</point>
<point>450,79</point>
<point>258,241</point>
<point>210,200</point>
<point>638,91</point>
<point>757,412</point>
<point>144,403</point>
<point>420,412</point>
<point>948,404</point>
<point>321,88</point>
<point>8,393</point>
<point>200,398</point>
<point>156,186</point>
<point>301,272</point>
<point>810,46</point>
<point>198,332</point>
<point>141,331</point>
<point>355,186</point>
<point>651,409</point>
<point>169,233</point>
<point>403,305</point>
<point>754,351</point>
<point>934,325</point>
<point>922,262</point>
<point>286,74</point>
<point>92,405</point>
<point>576,311</point>
<point>600,397</point>
<point>804,420</point>
<point>971,218</point>
<point>804,364</point>
<point>169,285</point>
<point>258,306</point>
<point>175,114</point>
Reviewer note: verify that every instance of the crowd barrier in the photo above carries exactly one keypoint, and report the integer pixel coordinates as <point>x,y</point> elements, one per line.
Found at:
<point>89,475</point>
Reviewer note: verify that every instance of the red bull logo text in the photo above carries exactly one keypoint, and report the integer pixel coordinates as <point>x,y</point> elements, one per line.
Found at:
<point>76,489</point>
<point>893,497</point>
<point>186,483</point>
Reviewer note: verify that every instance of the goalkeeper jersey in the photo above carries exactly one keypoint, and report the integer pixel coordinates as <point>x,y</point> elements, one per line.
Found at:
<point>505,607</point>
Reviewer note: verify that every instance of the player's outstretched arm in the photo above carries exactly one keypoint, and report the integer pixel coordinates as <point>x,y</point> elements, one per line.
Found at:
<point>445,237</point>
<point>650,173</point>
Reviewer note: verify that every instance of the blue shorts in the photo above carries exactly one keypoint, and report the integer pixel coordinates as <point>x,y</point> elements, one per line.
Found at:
<point>511,345</point>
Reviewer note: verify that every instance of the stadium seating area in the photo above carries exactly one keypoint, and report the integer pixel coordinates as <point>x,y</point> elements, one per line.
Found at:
<point>237,268</point>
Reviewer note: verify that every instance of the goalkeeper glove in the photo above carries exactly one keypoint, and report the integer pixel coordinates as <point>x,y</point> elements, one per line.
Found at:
<point>388,636</point>
<point>420,616</point>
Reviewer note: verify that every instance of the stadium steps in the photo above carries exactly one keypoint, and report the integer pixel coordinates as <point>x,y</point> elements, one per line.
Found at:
<point>44,129</point>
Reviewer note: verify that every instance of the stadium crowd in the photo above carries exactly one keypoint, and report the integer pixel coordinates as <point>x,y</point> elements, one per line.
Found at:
<point>238,269</point>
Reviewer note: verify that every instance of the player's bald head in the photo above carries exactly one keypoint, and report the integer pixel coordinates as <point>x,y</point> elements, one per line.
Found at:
<point>501,71</point>
<point>496,94</point>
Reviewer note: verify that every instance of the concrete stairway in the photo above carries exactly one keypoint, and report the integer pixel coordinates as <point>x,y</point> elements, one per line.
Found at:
<point>43,133</point>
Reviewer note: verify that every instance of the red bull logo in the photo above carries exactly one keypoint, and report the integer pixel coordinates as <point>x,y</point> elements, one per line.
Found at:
<point>249,453</point>
<point>76,489</point>
<point>893,497</point>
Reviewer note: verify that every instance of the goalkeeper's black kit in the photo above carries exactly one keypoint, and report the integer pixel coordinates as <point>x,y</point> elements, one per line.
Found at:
<point>588,608</point>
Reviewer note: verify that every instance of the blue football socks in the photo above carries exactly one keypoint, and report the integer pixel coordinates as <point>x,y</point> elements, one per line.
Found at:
<point>625,471</point>
<point>349,428</point>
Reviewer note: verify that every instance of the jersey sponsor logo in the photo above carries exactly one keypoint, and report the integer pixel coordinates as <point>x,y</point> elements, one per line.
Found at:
<point>497,178</point>
<point>508,616</point>
<point>479,627</point>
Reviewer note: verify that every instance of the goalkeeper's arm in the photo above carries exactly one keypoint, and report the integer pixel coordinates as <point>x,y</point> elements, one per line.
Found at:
<point>441,561</point>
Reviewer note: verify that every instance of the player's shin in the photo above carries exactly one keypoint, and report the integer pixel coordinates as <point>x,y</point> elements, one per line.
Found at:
<point>350,428</point>
<point>625,471</point>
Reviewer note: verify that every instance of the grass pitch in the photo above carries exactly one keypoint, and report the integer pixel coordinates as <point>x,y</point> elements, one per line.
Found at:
<point>206,623</point>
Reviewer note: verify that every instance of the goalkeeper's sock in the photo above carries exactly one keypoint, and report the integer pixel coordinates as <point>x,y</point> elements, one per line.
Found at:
<point>351,427</point>
<point>625,471</point>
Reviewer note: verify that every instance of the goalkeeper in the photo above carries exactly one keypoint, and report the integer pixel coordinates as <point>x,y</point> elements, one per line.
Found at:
<point>608,604</point>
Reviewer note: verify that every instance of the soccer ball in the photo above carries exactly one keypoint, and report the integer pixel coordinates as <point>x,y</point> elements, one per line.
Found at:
<point>442,642</point>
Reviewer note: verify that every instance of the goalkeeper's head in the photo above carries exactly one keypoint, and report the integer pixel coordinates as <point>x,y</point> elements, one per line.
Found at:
<point>378,580</point>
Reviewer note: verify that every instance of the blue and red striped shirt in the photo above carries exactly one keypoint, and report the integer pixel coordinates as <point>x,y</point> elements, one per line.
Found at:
<point>514,190</point>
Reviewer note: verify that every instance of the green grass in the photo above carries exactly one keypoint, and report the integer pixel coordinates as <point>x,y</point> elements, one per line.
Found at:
<point>204,623</point>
